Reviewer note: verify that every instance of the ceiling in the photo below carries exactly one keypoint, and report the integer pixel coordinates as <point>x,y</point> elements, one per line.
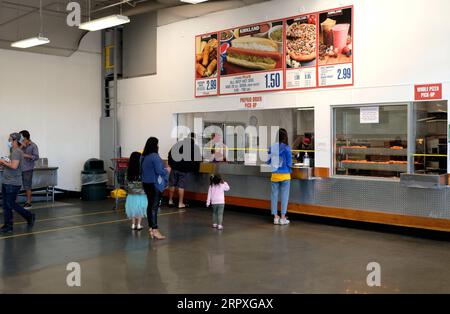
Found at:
<point>20,19</point>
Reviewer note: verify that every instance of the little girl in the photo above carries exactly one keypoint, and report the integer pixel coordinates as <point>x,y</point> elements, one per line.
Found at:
<point>136,202</point>
<point>216,198</point>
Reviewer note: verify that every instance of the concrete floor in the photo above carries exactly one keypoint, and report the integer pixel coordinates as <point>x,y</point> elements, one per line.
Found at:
<point>250,256</point>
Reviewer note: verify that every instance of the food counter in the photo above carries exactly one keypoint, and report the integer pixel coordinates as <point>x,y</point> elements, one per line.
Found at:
<point>378,200</point>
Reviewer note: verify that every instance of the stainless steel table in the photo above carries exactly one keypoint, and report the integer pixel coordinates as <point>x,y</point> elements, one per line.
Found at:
<point>43,178</point>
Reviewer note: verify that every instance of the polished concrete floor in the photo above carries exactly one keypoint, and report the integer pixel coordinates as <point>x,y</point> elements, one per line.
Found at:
<point>249,256</point>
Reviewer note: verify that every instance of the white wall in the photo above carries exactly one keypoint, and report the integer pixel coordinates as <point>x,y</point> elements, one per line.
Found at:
<point>396,44</point>
<point>58,99</point>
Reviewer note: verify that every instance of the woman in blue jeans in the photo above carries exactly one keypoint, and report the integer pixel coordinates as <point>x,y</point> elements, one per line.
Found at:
<point>280,158</point>
<point>154,180</point>
<point>12,182</point>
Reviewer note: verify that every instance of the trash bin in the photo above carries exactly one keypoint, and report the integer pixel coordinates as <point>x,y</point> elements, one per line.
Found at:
<point>93,180</point>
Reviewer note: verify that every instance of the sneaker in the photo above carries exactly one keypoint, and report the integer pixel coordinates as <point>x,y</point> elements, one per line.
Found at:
<point>219,227</point>
<point>139,228</point>
<point>133,227</point>
<point>32,220</point>
<point>214,225</point>
<point>27,206</point>
<point>171,204</point>
<point>276,221</point>
<point>284,221</point>
<point>6,229</point>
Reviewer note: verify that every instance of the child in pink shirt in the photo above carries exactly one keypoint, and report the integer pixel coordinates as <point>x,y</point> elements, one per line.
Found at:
<point>216,198</point>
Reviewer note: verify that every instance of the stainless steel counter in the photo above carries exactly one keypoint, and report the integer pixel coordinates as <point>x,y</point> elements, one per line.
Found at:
<point>43,178</point>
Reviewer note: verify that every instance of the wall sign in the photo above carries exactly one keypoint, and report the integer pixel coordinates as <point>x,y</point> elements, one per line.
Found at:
<point>428,91</point>
<point>369,115</point>
<point>301,52</point>
<point>251,102</point>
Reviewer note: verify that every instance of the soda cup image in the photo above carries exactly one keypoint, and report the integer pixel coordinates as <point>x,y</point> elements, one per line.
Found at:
<point>340,32</point>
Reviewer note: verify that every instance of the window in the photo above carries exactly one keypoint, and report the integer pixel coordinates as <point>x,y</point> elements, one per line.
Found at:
<point>430,137</point>
<point>371,140</point>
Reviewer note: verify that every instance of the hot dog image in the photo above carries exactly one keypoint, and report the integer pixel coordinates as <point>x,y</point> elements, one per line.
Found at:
<point>254,53</point>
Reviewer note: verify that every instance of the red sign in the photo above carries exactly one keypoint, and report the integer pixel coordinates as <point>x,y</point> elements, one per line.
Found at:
<point>428,91</point>
<point>251,102</point>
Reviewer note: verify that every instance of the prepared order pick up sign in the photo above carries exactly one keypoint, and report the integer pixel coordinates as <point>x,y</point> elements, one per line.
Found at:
<point>313,50</point>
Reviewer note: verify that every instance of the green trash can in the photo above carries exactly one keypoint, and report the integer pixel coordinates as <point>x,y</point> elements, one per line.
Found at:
<point>93,180</point>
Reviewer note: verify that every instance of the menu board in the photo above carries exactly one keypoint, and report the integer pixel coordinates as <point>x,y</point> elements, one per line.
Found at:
<point>206,65</point>
<point>302,52</point>
<point>336,48</point>
<point>251,58</point>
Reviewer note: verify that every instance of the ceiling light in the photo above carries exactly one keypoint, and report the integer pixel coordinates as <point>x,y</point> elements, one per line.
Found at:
<point>104,22</point>
<point>193,1</point>
<point>30,42</point>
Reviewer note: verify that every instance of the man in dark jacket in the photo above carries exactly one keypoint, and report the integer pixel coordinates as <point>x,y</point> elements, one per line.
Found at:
<point>184,158</point>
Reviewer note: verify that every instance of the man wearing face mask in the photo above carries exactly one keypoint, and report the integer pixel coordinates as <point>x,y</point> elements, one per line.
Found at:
<point>12,182</point>
<point>30,155</point>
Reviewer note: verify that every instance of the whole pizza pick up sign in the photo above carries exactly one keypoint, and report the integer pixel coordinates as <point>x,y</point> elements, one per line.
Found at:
<point>428,91</point>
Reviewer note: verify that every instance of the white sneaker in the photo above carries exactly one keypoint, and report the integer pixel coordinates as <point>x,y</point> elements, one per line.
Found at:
<point>133,227</point>
<point>219,227</point>
<point>276,221</point>
<point>284,221</point>
<point>139,227</point>
<point>214,225</point>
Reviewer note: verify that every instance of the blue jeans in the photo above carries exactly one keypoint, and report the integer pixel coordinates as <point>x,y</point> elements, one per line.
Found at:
<point>153,198</point>
<point>282,188</point>
<point>9,195</point>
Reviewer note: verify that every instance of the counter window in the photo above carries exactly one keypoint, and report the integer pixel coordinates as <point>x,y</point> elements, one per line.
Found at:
<point>430,137</point>
<point>371,140</point>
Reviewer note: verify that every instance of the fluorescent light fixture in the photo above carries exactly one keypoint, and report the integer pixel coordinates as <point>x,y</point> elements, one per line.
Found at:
<point>305,108</point>
<point>104,22</point>
<point>193,1</point>
<point>30,42</point>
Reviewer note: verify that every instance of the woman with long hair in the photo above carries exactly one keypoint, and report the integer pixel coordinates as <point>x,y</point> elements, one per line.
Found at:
<point>280,158</point>
<point>136,203</point>
<point>154,180</point>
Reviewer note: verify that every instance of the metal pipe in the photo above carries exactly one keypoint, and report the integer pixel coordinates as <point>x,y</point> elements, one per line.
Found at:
<point>118,3</point>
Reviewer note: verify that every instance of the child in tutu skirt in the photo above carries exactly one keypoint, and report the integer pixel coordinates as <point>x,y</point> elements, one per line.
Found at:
<point>136,202</point>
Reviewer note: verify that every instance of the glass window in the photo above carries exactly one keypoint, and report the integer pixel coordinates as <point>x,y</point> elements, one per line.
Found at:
<point>371,140</point>
<point>430,137</point>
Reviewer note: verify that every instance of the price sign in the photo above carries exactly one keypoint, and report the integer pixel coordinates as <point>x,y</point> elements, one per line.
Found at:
<point>337,74</point>
<point>206,87</point>
<point>266,81</point>
<point>301,78</point>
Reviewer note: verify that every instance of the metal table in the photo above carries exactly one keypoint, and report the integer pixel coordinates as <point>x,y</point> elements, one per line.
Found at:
<point>43,178</point>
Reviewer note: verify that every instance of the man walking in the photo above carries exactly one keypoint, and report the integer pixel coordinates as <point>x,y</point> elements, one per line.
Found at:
<point>30,155</point>
<point>12,181</point>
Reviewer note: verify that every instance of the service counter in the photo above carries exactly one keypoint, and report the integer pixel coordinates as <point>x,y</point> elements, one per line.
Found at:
<point>406,202</point>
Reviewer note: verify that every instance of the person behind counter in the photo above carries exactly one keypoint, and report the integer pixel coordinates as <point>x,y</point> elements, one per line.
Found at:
<point>12,182</point>
<point>30,155</point>
<point>216,150</point>
<point>154,179</point>
<point>280,159</point>
<point>187,160</point>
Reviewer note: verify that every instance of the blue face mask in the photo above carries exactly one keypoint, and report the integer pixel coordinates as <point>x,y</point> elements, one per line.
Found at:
<point>10,144</point>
